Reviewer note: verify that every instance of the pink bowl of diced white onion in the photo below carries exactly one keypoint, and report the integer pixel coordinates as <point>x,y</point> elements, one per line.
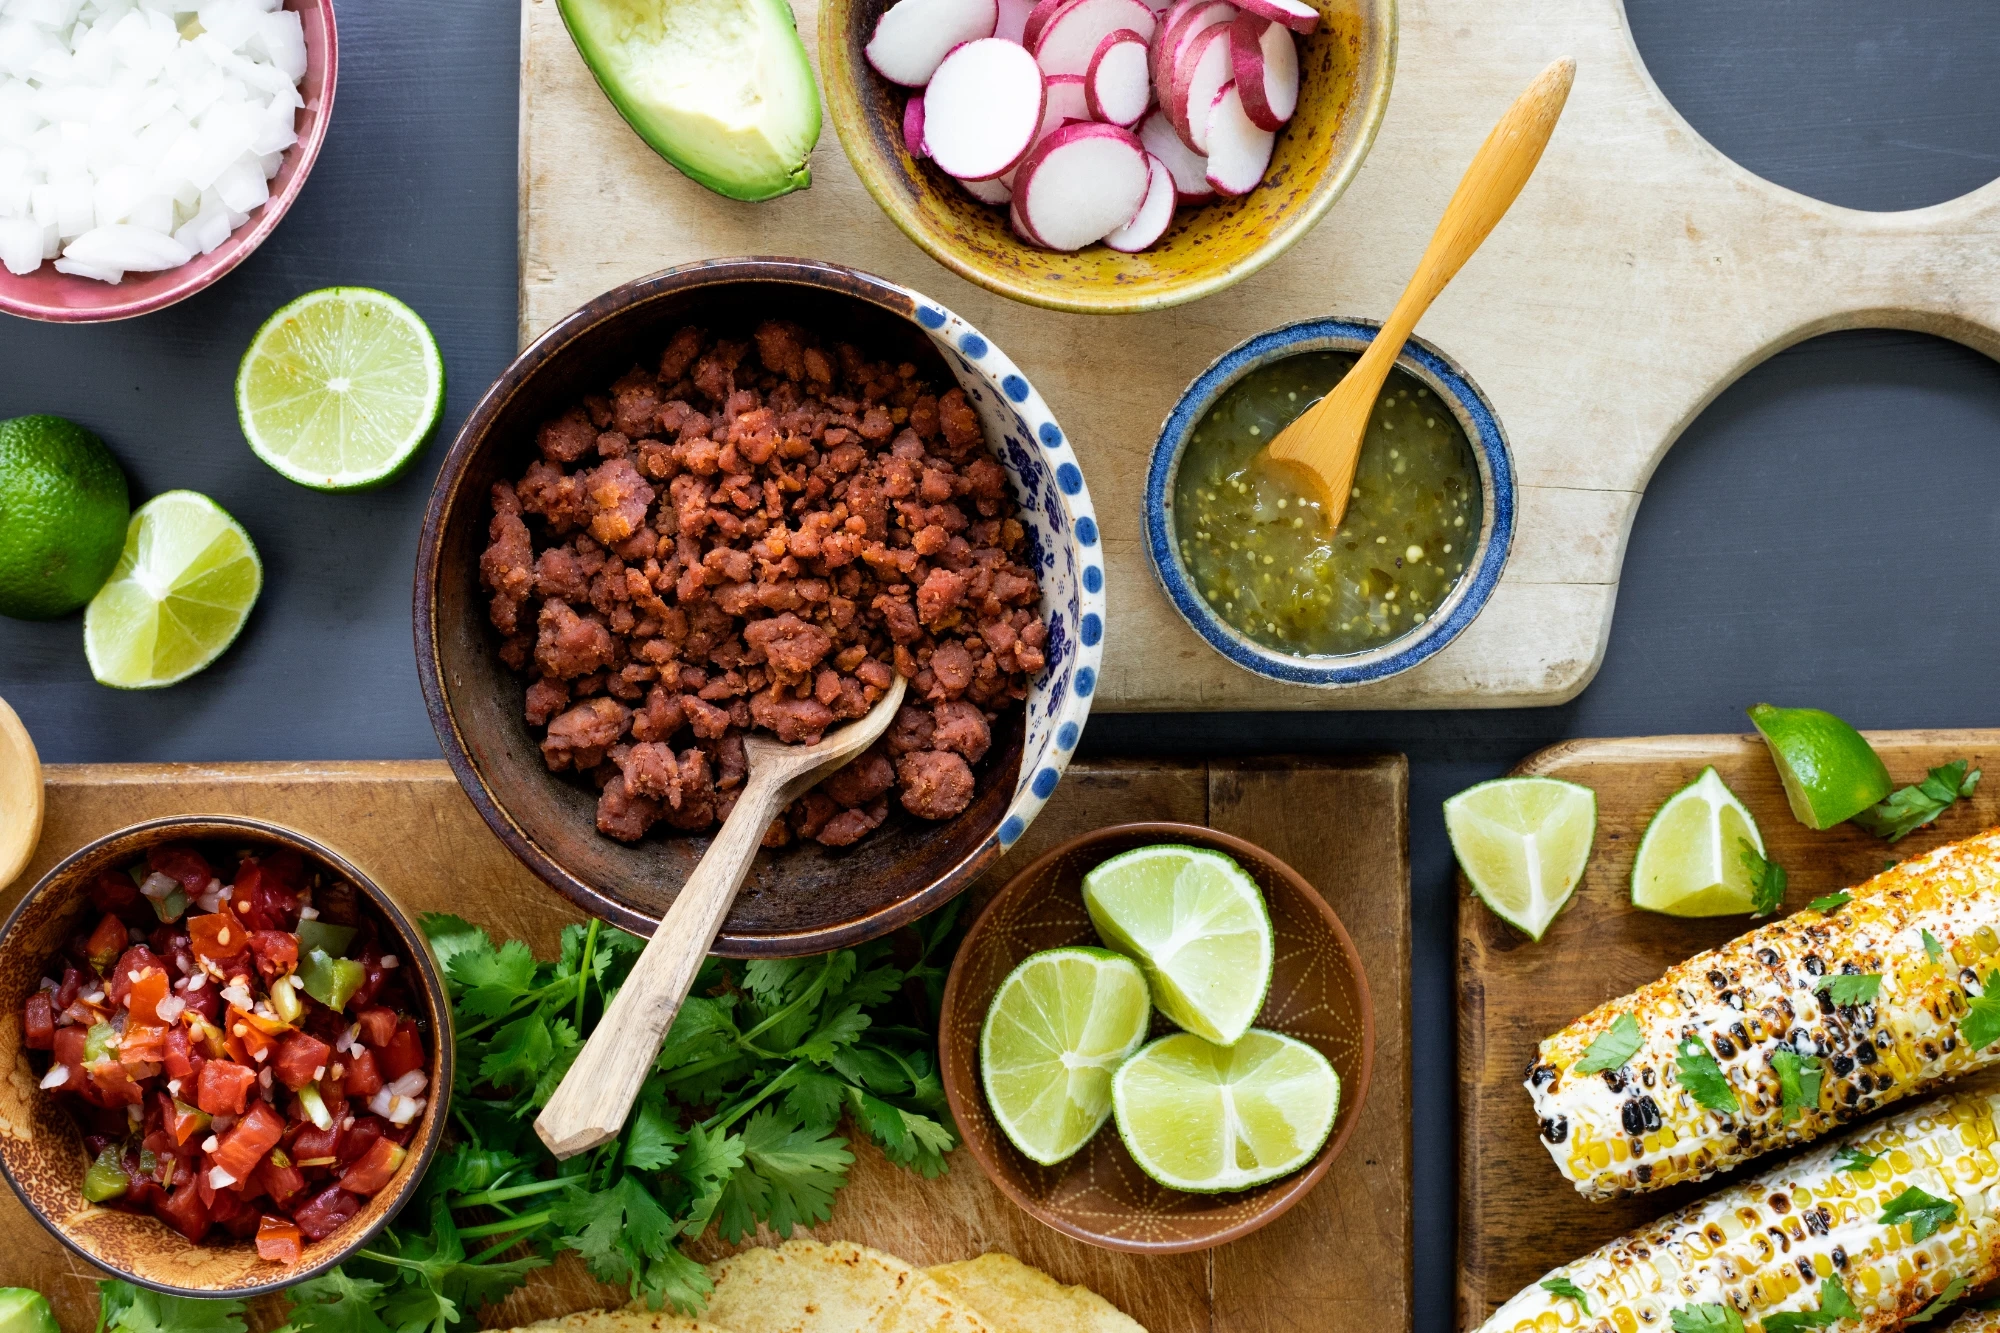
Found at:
<point>72,298</point>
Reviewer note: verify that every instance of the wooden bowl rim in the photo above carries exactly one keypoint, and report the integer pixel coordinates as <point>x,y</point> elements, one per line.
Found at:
<point>967,1100</point>
<point>446,495</point>
<point>443,1035</point>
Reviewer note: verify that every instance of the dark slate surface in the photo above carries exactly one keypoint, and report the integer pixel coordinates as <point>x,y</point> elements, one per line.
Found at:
<point>1824,534</point>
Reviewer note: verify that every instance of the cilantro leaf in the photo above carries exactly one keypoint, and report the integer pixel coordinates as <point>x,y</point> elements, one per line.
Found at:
<point>450,936</point>
<point>1834,1306</point>
<point>1952,1291</point>
<point>1831,903</point>
<point>789,1177</point>
<point>1981,1025</point>
<point>1767,878</point>
<point>518,1053</point>
<point>652,1140</point>
<point>1845,988</point>
<point>333,1302</point>
<point>1706,1319</point>
<point>615,1229</point>
<point>1799,1079</point>
<point>1704,1079</point>
<point>1613,1048</point>
<point>124,1308</point>
<point>1932,949</point>
<point>493,979</point>
<point>1851,1158</point>
<point>1562,1286</point>
<point>1924,1212</point>
<point>1910,808</point>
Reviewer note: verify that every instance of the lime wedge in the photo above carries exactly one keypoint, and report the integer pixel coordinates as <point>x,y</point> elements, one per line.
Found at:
<point>1691,861</point>
<point>340,389</point>
<point>179,595</point>
<point>1523,844</point>
<point>1829,770</point>
<point>1197,926</point>
<point>1058,1027</point>
<point>1205,1118</point>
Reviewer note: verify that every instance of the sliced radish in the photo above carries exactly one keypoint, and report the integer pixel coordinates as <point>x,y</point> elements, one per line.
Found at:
<point>1197,17</point>
<point>1066,105</point>
<point>1294,14</point>
<point>1013,24</point>
<point>1068,41</point>
<point>988,192</point>
<point>1020,224</point>
<point>1239,150</point>
<point>913,36</point>
<point>1189,168</point>
<point>1115,86</point>
<point>983,108</point>
<point>1202,70</point>
<point>1264,58</point>
<point>913,127</point>
<point>1081,184</point>
<point>1155,215</point>
<point>1038,18</point>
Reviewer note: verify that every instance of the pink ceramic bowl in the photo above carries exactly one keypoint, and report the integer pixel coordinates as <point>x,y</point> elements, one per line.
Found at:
<point>63,299</point>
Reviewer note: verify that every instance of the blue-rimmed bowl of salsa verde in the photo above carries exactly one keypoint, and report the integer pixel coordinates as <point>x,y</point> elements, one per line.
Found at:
<point>1245,554</point>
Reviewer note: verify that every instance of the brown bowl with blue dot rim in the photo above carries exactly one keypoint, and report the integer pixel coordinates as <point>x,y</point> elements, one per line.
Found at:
<point>1318,994</point>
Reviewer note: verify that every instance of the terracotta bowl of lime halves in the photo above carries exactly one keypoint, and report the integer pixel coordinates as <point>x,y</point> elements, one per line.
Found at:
<point>42,1151</point>
<point>1318,995</point>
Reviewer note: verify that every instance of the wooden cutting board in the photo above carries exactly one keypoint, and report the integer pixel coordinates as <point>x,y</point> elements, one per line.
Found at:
<point>412,829</point>
<point>1640,273</point>
<point>1518,1217</point>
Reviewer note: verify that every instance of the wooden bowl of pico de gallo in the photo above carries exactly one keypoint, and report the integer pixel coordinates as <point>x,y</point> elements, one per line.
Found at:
<point>231,1055</point>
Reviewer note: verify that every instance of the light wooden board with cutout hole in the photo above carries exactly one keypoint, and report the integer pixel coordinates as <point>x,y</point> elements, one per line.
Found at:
<point>1640,273</point>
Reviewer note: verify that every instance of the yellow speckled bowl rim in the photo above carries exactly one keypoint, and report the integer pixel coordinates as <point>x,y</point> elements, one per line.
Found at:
<point>842,76</point>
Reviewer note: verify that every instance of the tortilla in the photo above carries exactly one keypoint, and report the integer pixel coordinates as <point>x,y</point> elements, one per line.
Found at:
<point>1013,1297</point>
<point>803,1286</point>
<point>633,1319</point>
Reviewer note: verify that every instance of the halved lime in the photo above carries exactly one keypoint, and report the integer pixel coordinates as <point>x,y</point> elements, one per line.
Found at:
<point>1691,861</point>
<point>1523,844</point>
<point>1829,769</point>
<point>340,389</point>
<point>1197,926</point>
<point>181,591</point>
<point>1205,1118</point>
<point>1058,1027</point>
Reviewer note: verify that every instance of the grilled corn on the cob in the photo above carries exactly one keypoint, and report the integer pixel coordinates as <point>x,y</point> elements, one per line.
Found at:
<point>1969,1320</point>
<point>1926,928</point>
<point>1766,1245</point>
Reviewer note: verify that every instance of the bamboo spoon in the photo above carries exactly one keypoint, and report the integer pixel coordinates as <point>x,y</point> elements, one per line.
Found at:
<point>595,1096</point>
<point>20,796</point>
<point>1324,444</point>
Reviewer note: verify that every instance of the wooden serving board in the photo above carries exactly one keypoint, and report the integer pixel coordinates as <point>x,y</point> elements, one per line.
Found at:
<point>1518,1217</point>
<point>1340,1258</point>
<point>1640,273</point>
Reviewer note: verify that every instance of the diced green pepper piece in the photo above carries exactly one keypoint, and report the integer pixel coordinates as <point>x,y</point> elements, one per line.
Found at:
<point>331,981</point>
<point>106,1178</point>
<point>25,1311</point>
<point>328,939</point>
<point>170,908</point>
<point>314,1106</point>
<point>100,1043</point>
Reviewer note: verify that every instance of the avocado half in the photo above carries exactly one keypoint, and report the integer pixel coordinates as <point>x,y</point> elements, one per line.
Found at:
<point>720,88</point>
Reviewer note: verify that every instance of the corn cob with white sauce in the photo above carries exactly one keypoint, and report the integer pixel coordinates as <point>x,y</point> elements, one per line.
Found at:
<point>1968,1320</point>
<point>1926,927</point>
<point>1767,1245</point>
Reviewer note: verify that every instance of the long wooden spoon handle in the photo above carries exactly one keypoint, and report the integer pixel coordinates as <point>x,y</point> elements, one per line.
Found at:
<point>595,1096</point>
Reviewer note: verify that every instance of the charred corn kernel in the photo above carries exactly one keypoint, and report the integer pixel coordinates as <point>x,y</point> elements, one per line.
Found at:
<point>1722,997</point>
<point>1764,1245</point>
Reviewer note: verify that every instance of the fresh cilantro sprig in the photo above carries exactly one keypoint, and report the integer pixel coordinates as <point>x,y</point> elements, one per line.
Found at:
<point>1945,1300</point>
<point>124,1308</point>
<point>1834,1305</point>
<point>1845,988</point>
<point>1924,1212</point>
<point>1831,903</point>
<point>1910,808</point>
<point>1799,1079</point>
<point>1932,949</point>
<point>1612,1049</point>
<point>1706,1319</point>
<point>1767,878</point>
<point>1703,1077</point>
<point>1562,1286</point>
<point>1851,1158</point>
<point>1981,1025</point>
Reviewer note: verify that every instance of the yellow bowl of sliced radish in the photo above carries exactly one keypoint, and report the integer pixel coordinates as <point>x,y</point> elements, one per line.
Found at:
<point>1105,156</point>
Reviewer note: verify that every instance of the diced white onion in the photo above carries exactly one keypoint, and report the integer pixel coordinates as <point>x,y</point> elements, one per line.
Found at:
<point>56,1077</point>
<point>218,1179</point>
<point>157,886</point>
<point>308,913</point>
<point>237,996</point>
<point>196,982</point>
<point>170,1009</point>
<point>390,960</point>
<point>211,1143</point>
<point>405,1109</point>
<point>380,1102</point>
<point>409,1085</point>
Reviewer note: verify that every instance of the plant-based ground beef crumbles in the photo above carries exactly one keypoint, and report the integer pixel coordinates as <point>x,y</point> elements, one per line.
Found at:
<point>754,536</point>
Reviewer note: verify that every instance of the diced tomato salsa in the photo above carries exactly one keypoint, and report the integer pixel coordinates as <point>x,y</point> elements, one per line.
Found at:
<point>234,1067</point>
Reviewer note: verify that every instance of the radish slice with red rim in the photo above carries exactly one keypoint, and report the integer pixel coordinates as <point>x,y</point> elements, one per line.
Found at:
<point>983,108</point>
<point>1202,70</point>
<point>988,192</point>
<point>1081,184</point>
<point>1197,17</point>
<point>1116,87</point>
<point>1038,18</point>
<point>1189,168</point>
<point>913,127</point>
<point>1013,24</point>
<point>1155,215</point>
<point>1068,41</point>
<point>1239,151</point>
<point>913,36</point>
<point>1066,104</point>
<point>1265,61</point>
<point>1294,14</point>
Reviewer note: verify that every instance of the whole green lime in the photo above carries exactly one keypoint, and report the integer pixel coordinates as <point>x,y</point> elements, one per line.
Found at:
<point>63,509</point>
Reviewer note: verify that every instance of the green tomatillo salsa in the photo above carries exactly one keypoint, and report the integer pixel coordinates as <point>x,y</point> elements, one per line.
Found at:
<point>1254,542</point>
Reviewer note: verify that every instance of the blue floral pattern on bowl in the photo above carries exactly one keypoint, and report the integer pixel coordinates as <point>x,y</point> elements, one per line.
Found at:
<point>1054,506</point>
<point>1496,477</point>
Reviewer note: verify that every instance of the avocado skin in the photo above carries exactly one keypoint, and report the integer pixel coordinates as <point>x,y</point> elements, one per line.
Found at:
<point>765,163</point>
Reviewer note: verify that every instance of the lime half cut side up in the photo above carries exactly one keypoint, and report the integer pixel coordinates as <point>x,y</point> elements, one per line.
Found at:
<point>180,593</point>
<point>1829,769</point>
<point>1205,1118</point>
<point>1058,1028</point>
<point>1196,924</point>
<point>1691,861</point>
<point>340,389</point>
<point>1523,844</point>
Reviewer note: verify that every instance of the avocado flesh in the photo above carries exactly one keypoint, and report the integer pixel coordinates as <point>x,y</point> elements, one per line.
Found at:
<point>720,88</point>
